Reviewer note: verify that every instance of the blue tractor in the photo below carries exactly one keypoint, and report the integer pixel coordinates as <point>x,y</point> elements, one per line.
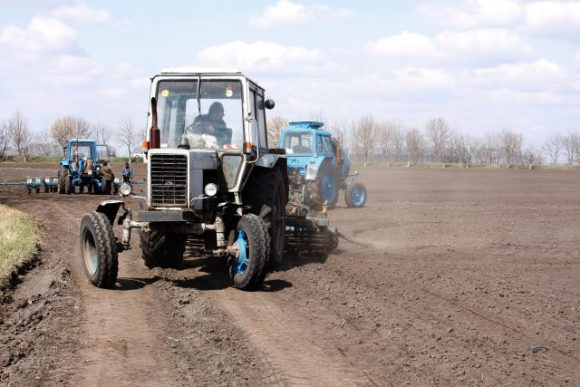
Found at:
<point>319,167</point>
<point>80,167</point>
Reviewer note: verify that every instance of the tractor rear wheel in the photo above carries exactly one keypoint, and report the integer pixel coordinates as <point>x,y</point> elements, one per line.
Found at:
<point>324,189</point>
<point>355,195</point>
<point>61,183</point>
<point>99,250</point>
<point>162,249</point>
<point>248,267</point>
<point>68,186</point>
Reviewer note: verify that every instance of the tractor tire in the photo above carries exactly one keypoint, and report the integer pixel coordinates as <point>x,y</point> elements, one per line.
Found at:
<point>266,192</point>
<point>324,189</point>
<point>68,186</point>
<point>355,195</point>
<point>247,270</point>
<point>99,250</point>
<point>162,249</point>
<point>61,183</point>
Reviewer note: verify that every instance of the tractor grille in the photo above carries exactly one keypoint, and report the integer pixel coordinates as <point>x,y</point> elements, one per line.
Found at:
<point>168,180</point>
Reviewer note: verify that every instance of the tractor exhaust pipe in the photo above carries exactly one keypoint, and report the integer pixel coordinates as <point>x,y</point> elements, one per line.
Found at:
<point>154,132</point>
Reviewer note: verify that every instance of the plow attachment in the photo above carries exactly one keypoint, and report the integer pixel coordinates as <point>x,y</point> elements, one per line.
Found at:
<point>310,234</point>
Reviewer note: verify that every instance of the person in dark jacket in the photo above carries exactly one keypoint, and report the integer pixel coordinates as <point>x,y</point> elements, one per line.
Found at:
<point>107,177</point>
<point>127,173</point>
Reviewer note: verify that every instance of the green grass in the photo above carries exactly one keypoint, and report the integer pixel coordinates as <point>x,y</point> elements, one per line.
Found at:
<point>18,241</point>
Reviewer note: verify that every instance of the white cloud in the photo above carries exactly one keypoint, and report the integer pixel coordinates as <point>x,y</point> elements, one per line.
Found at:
<point>424,78</point>
<point>405,44</point>
<point>81,13</point>
<point>541,74</point>
<point>69,70</point>
<point>552,17</point>
<point>260,55</point>
<point>43,34</point>
<point>474,14</point>
<point>482,43</point>
<point>465,45</point>
<point>111,93</point>
<point>287,13</point>
<point>543,98</point>
<point>555,17</point>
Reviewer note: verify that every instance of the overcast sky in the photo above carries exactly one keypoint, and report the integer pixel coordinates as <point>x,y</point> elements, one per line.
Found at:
<point>480,64</point>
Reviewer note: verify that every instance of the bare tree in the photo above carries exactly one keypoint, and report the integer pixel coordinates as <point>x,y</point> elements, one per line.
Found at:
<point>128,135</point>
<point>385,134</point>
<point>20,133</point>
<point>415,145</point>
<point>102,132</point>
<point>364,137</point>
<point>42,144</point>
<point>439,135</point>
<point>66,128</point>
<point>571,143</point>
<point>398,143</point>
<point>275,126</point>
<point>4,138</point>
<point>511,145</point>
<point>462,148</point>
<point>340,130</point>
<point>553,147</point>
<point>531,157</point>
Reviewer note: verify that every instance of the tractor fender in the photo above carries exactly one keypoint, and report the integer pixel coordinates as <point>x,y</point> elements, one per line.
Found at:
<point>314,165</point>
<point>110,209</point>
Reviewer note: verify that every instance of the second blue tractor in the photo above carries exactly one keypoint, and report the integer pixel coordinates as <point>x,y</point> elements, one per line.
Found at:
<point>80,167</point>
<point>319,167</point>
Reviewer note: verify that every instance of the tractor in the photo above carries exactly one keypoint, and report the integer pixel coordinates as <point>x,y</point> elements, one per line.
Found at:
<point>212,182</point>
<point>80,166</point>
<point>319,166</point>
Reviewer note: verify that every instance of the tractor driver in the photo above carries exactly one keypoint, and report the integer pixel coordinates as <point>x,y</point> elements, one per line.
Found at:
<point>209,130</point>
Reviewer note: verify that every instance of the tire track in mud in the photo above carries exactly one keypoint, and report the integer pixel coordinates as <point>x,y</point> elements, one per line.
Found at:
<point>295,357</point>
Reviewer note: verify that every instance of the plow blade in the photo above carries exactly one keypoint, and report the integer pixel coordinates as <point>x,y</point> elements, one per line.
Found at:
<point>307,235</point>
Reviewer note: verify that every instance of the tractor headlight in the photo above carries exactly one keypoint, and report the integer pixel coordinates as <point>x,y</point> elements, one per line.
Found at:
<point>311,172</point>
<point>29,180</point>
<point>47,180</point>
<point>125,189</point>
<point>210,189</point>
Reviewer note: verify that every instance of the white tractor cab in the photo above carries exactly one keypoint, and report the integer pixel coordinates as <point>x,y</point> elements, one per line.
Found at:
<point>210,177</point>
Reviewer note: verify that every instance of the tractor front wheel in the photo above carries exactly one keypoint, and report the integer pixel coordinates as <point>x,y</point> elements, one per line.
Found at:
<point>248,266</point>
<point>162,249</point>
<point>355,195</point>
<point>99,250</point>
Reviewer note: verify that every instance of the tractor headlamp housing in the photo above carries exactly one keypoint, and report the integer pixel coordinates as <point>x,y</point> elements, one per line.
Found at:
<point>125,189</point>
<point>311,172</point>
<point>210,189</point>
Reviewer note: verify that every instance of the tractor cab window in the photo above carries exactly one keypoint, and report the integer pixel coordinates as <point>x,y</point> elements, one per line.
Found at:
<point>204,116</point>
<point>299,143</point>
<point>82,151</point>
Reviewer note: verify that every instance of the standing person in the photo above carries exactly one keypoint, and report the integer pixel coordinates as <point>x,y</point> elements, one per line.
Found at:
<point>108,176</point>
<point>127,173</point>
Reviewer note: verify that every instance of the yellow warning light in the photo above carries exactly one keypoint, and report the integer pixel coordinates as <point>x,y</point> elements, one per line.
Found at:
<point>165,93</point>
<point>229,92</point>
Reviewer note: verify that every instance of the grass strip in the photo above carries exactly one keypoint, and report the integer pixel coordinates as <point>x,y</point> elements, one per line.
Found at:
<point>18,242</point>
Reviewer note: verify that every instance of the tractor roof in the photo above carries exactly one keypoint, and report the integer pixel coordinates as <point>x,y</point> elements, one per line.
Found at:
<point>81,140</point>
<point>200,71</point>
<point>306,125</point>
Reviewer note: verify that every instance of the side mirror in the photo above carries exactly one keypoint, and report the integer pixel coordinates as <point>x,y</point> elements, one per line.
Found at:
<point>269,104</point>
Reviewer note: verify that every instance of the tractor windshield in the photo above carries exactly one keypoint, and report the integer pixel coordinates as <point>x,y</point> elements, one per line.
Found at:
<point>206,115</point>
<point>298,143</point>
<point>81,151</point>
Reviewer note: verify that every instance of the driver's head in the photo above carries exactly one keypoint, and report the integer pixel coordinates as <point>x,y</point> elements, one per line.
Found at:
<point>216,111</point>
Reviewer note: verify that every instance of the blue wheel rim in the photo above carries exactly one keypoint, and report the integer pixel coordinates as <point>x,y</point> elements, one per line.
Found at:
<point>358,196</point>
<point>241,262</point>
<point>328,188</point>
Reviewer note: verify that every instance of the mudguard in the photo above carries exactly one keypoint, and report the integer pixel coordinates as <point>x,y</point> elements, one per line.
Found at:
<point>110,209</point>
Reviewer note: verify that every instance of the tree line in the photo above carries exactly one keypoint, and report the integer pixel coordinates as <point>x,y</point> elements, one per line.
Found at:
<point>369,140</point>
<point>17,137</point>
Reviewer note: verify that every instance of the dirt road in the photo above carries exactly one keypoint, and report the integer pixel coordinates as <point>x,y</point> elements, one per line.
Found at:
<point>448,278</point>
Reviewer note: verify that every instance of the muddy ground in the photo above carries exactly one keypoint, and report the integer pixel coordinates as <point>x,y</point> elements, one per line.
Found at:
<point>448,278</point>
